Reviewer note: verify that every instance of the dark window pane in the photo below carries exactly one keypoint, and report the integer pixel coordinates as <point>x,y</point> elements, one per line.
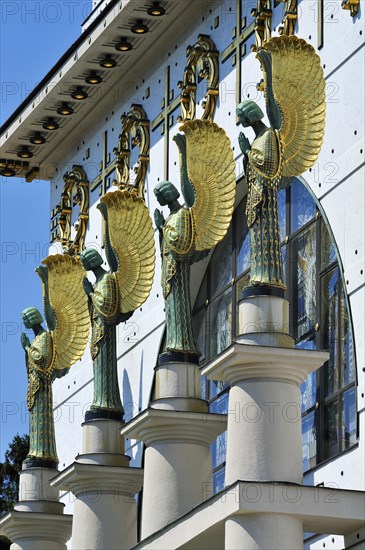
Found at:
<point>308,388</point>
<point>331,435</point>
<point>283,259</point>
<point>328,249</point>
<point>204,388</point>
<point>221,265</point>
<point>218,480</point>
<point>347,348</point>
<point>216,387</point>
<point>200,328</point>
<point>303,207</point>
<point>329,302</point>
<point>348,418</point>
<point>305,284</point>
<point>202,295</point>
<point>309,442</point>
<point>220,405</point>
<point>219,450</point>
<point>220,324</point>
<point>242,239</point>
<point>242,283</point>
<point>282,213</point>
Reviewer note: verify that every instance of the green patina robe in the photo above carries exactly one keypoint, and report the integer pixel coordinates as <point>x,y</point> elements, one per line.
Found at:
<point>39,398</point>
<point>105,316</point>
<point>264,177</point>
<point>178,248</point>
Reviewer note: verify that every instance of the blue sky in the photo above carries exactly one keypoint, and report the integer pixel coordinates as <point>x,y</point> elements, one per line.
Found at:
<point>34,35</point>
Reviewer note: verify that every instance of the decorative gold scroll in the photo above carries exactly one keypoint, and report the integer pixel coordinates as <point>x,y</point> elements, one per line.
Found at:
<point>352,5</point>
<point>263,16</point>
<point>135,131</point>
<point>290,17</point>
<point>75,191</point>
<point>204,57</point>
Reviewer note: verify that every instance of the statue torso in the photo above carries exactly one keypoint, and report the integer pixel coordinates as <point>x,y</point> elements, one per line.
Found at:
<point>106,298</point>
<point>265,156</point>
<point>179,234</point>
<point>39,363</point>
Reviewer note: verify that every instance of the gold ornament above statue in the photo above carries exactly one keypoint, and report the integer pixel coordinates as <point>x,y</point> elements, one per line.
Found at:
<point>75,191</point>
<point>204,57</point>
<point>294,89</point>
<point>135,131</point>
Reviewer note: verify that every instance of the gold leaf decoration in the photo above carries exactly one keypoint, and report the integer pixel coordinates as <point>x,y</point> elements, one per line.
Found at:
<point>70,306</point>
<point>132,239</point>
<point>299,90</point>
<point>211,170</point>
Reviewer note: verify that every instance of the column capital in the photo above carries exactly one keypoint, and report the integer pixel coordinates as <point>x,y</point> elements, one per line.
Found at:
<point>82,478</point>
<point>156,425</point>
<point>37,526</point>
<point>250,362</point>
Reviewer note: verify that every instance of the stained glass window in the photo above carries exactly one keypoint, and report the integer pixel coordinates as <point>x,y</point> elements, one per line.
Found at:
<point>319,316</point>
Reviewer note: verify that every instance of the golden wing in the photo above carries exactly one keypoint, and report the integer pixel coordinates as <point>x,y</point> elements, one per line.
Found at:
<point>131,237</point>
<point>211,170</point>
<point>299,90</point>
<point>69,304</point>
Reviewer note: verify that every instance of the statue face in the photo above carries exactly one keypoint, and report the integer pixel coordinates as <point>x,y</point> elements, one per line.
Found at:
<point>31,317</point>
<point>166,193</point>
<point>90,259</point>
<point>248,112</point>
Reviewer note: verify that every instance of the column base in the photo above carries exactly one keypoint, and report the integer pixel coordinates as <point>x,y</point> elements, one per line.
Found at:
<point>178,464</point>
<point>263,532</point>
<point>264,319</point>
<point>105,510</point>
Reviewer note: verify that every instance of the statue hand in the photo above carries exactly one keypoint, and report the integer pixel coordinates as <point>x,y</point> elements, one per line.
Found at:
<point>25,341</point>
<point>88,287</point>
<point>159,219</point>
<point>244,143</point>
<point>42,271</point>
<point>265,59</point>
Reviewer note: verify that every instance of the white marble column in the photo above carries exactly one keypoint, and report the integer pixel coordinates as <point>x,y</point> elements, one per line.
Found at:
<point>37,521</point>
<point>264,417</point>
<point>104,487</point>
<point>177,431</point>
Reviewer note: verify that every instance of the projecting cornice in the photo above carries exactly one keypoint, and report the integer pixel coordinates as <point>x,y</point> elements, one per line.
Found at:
<point>67,84</point>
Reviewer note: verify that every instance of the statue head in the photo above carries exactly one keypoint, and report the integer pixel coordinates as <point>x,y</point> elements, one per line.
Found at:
<point>166,192</point>
<point>90,258</point>
<point>31,317</point>
<point>248,112</point>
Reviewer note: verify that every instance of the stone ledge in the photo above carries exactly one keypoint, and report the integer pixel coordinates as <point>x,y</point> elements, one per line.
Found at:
<point>80,478</point>
<point>322,510</point>
<point>246,362</point>
<point>155,425</point>
<point>39,526</point>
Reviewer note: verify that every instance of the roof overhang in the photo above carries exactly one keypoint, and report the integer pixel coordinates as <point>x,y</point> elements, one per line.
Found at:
<point>84,56</point>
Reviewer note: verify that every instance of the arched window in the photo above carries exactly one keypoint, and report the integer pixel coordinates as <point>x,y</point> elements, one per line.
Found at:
<point>319,317</point>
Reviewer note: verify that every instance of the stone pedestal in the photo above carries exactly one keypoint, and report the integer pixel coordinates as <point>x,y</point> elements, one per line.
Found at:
<point>178,432</point>
<point>264,419</point>
<point>105,507</point>
<point>37,521</point>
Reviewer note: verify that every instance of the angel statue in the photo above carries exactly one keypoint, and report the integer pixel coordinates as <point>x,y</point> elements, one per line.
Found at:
<point>208,185</point>
<point>295,102</point>
<point>116,294</point>
<point>52,352</point>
